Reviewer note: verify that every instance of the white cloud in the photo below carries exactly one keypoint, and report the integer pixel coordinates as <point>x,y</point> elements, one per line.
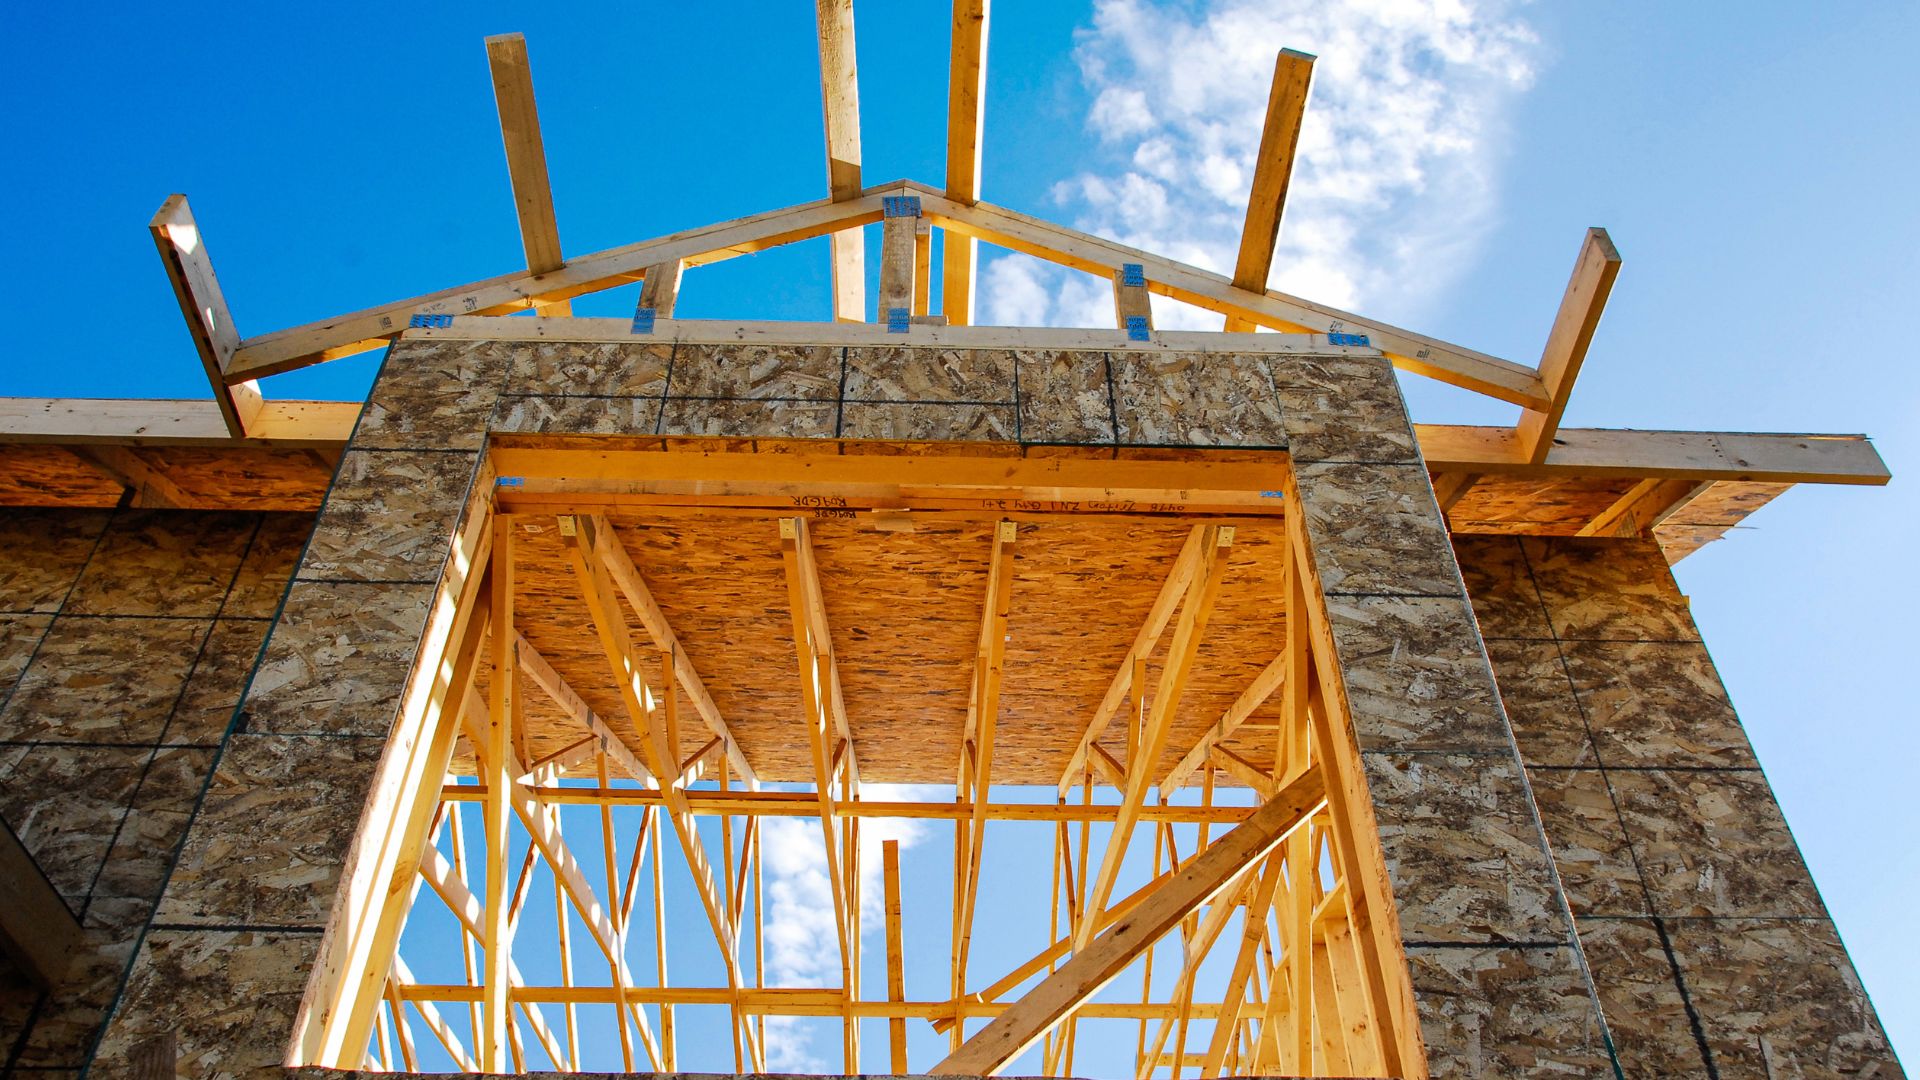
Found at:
<point>1394,185</point>
<point>803,948</point>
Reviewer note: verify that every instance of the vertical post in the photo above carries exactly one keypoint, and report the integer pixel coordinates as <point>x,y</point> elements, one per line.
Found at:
<point>496,979</point>
<point>896,971</point>
<point>899,255</point>
<point>1132,309</point>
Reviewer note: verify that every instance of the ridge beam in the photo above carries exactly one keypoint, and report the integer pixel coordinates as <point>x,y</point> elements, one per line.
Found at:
<point>183,250</point>
<point>1573,327</point>
<point>1009,1034</point>
<point>966,115</point>
<point>840,99</point>
<point>1272,171</point>
<point>526,158</point>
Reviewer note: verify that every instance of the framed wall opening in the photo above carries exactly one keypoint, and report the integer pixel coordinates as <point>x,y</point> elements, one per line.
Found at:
<point>1067,718</point>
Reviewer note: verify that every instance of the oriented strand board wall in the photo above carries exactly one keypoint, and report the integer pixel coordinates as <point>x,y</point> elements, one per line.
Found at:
<point>1705,935</point>
<point>125,639</point>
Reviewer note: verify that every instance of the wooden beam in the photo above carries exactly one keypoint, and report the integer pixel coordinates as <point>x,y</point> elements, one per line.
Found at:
<point>359,331</point>
<point>587,547</point>
<point>896,971</point>
<point>37,930</point>
<point>840,98</point>
<point>1250,699</point>
<point>172,422</point>
<point>1573,327</point>
<point>1069,987</point>
<point>149,484</point>
<point>966,115</point>
<point>498,937</point>
<point>1272,171</point>
<point>1130,299</point>
<point>1450,487</point>
<point>1645,505</point>
<point>602,738</point>
<point>1179,575</point>
<point>899,260</point>
<point>1409,351</point>
<point>626,576</point>
<point>975,781</point>
<point>183,250</point>
<point>1700,455</point>
<point>661,289</point>
<point>526,157</point>
<point>1195,610</point>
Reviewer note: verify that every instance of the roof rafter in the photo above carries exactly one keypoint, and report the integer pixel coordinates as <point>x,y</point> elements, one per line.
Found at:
<point>1573,327</point>
<point>526,157</point>
<point>966,115</point>
<point>840,98</point>
<point>1272,171</point>
<point>1413,352</point>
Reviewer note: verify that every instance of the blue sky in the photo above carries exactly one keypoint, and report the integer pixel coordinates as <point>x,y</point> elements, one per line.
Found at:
<point>1754,169</point>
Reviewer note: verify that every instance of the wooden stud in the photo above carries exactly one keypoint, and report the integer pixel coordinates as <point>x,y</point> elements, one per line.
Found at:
<point>1195,609</point>
<point>526,158</point>
<point>818,684</point>
<point>1130,301</point>
<point>1272,172</point>
<point>922,263</point>
<point>1573,327</point>
<point>966,115</point>
<point>183,250</point>
<point>896,972</point>
<point>983,711</point>
<point>634,587</point>
<point>899,264</point>
<point>497,939</point>
<point>840,97</point>
<point>589,548</point>
<point>660,290</point>
<point>1179,576</point>
<point>1092,967</point>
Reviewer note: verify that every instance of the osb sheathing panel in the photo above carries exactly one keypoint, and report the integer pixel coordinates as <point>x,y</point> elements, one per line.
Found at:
<point>1689,896</point>
<point>1537,505</point>
<point>905,610</point>
<point>124,639</point>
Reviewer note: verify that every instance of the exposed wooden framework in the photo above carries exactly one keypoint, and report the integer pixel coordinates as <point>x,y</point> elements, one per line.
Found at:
<point>1314,984</point>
